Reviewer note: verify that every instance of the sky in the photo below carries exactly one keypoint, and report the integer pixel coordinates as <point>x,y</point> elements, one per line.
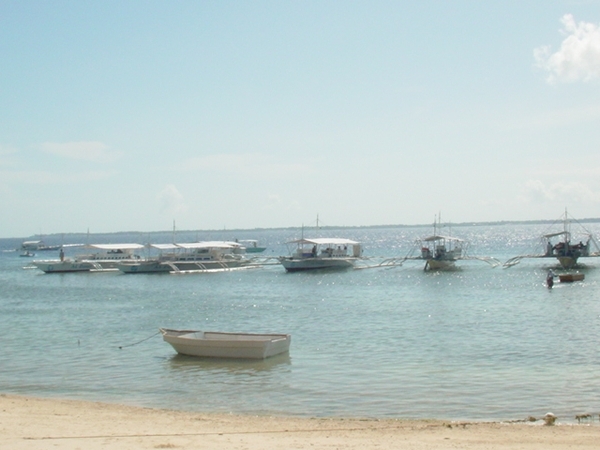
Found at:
<point>134,115</point>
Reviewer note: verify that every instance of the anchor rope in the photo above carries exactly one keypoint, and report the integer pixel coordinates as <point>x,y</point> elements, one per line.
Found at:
<point>139,342</point>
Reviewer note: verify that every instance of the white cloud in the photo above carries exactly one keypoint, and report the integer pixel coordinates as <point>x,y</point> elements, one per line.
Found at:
<point>171,201</point>
<point>6,154</point>
<point>7,150</point>
<point>579,56</point>
<point>84,151</point>
<point>536,191</point>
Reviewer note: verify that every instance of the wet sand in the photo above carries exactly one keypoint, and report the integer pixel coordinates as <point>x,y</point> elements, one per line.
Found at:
<point>35,423</point>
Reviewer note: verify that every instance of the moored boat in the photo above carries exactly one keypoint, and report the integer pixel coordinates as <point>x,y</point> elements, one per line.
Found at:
<point>37,246</point>
<point>322,253</point>
<point>189,257</point>
<point>438,251</point>
<point>104,258</point>
<point>441,252</point>
<point>213,344</point>
<point>559,245</point>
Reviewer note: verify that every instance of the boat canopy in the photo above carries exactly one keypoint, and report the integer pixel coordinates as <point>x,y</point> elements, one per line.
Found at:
<point>117,246</point>
<point>25,243</point>
<point>441,238</point>
<point>209,244</point>
<point>165,246</point>
<point>560,233</point>
<point>325,241</point>
<point>195,245</point>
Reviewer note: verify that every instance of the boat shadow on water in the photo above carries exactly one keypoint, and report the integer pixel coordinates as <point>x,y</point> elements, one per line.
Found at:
<point>193,364</point>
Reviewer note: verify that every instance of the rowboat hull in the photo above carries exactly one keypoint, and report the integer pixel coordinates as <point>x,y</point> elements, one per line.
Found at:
<point>210,344</point>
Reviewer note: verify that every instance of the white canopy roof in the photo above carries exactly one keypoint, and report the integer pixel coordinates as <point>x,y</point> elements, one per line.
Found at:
<point>325,241</point>
<point>165,246</point>
<point>560,233</point>
<point>196,245</point>
<point>117,246</point>
<point>209,244</point>
<point>440,238</point>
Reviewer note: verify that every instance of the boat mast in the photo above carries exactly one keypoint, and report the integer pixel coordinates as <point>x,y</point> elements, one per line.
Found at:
<point>436,219</point>
<point>566,228</point>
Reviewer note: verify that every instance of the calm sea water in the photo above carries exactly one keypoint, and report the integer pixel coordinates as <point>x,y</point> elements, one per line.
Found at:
<point>477,343</point>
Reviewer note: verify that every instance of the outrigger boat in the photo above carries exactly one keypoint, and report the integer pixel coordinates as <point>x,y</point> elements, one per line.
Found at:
<point>322,253</point>
<point>559,245</point>
<point>442,252</point>
<point>38,246</point>
<point>190,257</point>
<point>104,258</point>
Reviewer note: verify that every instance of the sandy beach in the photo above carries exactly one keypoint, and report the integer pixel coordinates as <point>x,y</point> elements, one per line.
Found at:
<point>34,423</point>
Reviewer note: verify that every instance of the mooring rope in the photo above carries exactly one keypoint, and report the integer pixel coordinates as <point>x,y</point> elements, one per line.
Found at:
<point>139,342</point>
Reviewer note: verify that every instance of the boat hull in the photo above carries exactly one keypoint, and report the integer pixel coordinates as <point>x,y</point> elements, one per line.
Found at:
<point>144,267</point>
<point>84,265</point>
<point>63,266</point>
<point>567,262</point>
<point>180,266</point>
<point>190,266</point>
<point>437,264</point>
<point>211,344</point>
<point>304,264</point>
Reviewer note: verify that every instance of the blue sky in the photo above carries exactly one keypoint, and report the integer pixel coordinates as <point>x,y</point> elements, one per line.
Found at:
<point>129,115</point>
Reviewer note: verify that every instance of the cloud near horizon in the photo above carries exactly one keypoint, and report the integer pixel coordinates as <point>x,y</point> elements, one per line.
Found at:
<point>536,191</point>
<point>83,151</point>
<point>171,201</point>
<point>6,154</point>
<point>578,58</point>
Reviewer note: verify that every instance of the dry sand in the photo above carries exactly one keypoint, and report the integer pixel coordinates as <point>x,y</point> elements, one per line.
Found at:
<point>34,423</point>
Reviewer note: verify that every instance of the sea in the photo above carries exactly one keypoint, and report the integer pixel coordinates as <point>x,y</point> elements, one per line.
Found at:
<point>478,343</point>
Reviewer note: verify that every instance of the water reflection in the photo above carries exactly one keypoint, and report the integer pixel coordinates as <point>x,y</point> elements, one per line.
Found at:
<point>191,364</point>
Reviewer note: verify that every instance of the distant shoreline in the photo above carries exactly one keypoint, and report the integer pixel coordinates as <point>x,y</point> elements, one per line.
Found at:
<point>326,227</point>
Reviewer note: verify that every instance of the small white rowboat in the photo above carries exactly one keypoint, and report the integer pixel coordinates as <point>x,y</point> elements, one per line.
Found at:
<point>213,344</point>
